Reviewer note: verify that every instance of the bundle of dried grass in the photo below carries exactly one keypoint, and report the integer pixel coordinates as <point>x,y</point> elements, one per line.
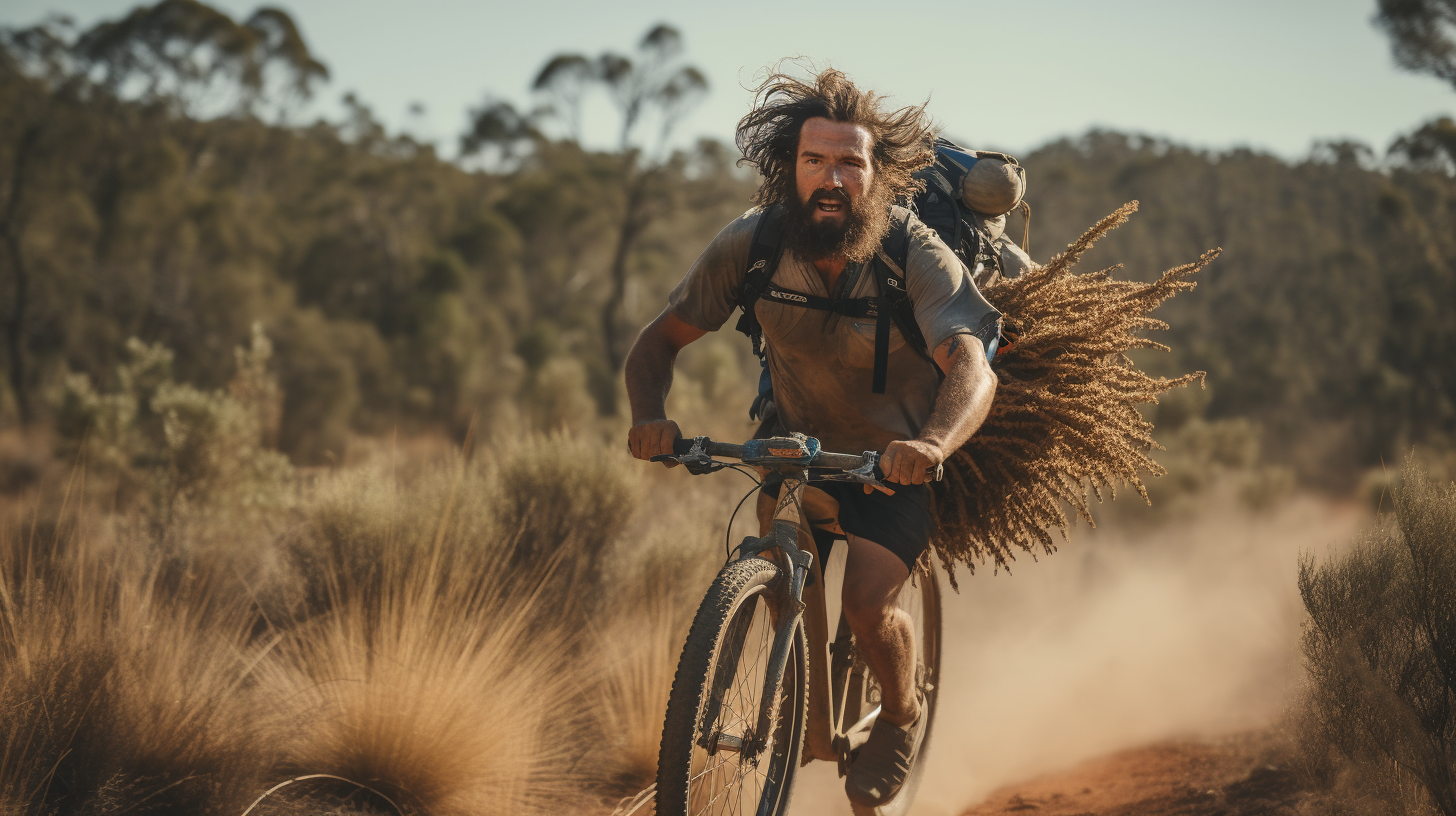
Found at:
<point>1065,422</point>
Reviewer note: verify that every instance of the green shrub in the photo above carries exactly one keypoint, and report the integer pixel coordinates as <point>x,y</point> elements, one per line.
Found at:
<point>1380,648</point>
<point>185,446</point>
<point>561,491</point>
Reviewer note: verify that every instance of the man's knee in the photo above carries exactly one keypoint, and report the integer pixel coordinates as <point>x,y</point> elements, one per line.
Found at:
<point>865,604</point>
<point>872,580</point>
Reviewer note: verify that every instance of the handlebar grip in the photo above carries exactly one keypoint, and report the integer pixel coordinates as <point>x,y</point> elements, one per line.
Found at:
<point>932,474</point>
<point>683,446</point>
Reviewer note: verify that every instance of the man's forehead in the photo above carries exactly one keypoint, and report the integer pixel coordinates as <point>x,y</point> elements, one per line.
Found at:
<point>820,135</point>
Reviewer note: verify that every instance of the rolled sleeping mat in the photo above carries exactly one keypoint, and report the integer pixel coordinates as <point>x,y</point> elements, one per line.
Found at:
<point>993,185</point>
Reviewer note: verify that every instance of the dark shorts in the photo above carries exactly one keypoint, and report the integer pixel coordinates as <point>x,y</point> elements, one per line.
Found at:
<point>900,523</point>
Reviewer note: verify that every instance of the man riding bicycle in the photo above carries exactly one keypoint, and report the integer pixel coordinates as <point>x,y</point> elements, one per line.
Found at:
<point>833,163</point>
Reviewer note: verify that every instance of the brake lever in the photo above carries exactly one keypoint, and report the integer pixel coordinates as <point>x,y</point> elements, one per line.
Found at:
<point>868,473</point>
<point>696,460</point>
<point>864,474</point>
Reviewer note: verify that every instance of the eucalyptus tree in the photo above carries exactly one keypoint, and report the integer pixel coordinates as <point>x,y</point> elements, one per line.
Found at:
<point>1422,34</point>
<point>497,126</point>
<point>1423,40</point>
<point>652,90</point>
<point>196,56</point>
<point>174,58</point>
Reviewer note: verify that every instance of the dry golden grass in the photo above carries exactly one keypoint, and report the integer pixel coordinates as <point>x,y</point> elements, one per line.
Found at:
<point>123,682</point>
<point>444,663</point>
<point>643,623</point>
<point>441,640</point>
<point>439,688</point>
<point>1065,421</point>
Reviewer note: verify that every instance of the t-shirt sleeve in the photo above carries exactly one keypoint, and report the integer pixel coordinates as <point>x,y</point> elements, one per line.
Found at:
<point>946,301</point>
<point>708,294</point>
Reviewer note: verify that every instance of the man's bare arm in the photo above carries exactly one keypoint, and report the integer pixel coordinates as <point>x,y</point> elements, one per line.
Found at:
<point>649,378</point>
<point>961,405</point>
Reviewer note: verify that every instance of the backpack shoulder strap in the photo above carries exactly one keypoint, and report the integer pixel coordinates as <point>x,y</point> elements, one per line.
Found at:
<point>894,301</point>
<point>763,259</point>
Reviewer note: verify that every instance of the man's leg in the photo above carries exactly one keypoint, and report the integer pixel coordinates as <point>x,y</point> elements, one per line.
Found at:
<point>872,579</point>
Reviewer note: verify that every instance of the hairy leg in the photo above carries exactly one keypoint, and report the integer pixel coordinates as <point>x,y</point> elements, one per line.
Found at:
<point>872,579</point>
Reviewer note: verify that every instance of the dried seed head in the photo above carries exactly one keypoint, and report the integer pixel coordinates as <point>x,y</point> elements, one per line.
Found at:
<point>1065,419</point>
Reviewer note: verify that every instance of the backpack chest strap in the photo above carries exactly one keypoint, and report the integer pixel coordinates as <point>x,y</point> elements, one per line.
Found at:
<point>849,307</point>
<point>882,309</point>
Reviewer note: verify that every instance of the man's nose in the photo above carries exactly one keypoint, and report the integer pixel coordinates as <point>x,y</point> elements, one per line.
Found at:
<point>832,180</point>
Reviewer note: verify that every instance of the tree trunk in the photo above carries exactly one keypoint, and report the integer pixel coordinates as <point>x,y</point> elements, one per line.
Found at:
<point>15,327</point>
<point>13,235</point>
<point>634,221</point>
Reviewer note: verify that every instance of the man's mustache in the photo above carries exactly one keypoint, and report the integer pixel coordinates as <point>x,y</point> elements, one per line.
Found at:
<point>836,194</point>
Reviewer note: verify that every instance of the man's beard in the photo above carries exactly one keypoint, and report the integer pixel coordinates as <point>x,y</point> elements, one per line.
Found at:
<point>854,238</point>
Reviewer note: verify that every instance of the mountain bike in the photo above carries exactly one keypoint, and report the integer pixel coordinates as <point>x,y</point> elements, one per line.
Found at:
<point>760,684</point>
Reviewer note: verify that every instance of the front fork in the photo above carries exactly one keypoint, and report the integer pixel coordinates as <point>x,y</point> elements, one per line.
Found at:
<point>784,536</point>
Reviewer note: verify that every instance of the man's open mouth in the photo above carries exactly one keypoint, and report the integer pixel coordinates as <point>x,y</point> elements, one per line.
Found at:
<point>829,206</point>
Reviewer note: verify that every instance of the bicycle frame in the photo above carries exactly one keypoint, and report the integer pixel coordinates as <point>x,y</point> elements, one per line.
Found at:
<point>834,727</point>
<point>830,677</point>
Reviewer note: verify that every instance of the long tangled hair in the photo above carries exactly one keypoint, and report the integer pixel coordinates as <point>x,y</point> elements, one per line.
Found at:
<point>768,136</point>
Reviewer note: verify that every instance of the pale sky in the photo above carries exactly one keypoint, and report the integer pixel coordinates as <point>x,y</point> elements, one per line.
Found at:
<point>1274,75</point>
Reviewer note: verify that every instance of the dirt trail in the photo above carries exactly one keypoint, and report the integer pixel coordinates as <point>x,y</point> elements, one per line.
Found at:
<point>1236,776</point>
<point>1130,636</point>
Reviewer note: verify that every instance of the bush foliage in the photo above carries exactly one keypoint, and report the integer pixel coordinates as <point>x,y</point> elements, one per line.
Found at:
<point>1380,646</point>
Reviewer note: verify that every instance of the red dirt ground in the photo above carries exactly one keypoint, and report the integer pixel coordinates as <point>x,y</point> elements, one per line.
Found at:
<point>1236,776</point>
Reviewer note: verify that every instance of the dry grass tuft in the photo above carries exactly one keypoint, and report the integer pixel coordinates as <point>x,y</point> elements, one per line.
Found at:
<point>436,692</point>
<point>638,637</point>
<point>1065,421</point>
<point>435,666</point>
<point>120,690</point>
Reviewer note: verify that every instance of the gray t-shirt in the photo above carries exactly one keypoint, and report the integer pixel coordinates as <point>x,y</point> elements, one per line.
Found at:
<point>821,362</point>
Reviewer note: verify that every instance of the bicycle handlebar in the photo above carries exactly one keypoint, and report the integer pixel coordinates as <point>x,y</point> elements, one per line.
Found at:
<point>864,466</point>
<point>846,461</point>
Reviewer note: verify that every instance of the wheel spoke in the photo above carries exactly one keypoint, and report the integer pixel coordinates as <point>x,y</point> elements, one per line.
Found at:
<point>736,691</point>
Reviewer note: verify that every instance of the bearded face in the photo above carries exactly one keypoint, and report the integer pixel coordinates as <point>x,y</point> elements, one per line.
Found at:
<point>840,209</point>
<point>853,237</point>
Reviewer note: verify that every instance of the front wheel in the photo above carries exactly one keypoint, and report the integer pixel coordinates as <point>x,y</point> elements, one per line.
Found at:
<point>920,600</point>
<point>711,760</point>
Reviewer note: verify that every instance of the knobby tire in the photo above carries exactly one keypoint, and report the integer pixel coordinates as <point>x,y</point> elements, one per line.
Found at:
<point>722,669</point>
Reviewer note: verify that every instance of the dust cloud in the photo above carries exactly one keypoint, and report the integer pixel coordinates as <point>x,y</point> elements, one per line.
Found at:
<point>1130,634</point>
